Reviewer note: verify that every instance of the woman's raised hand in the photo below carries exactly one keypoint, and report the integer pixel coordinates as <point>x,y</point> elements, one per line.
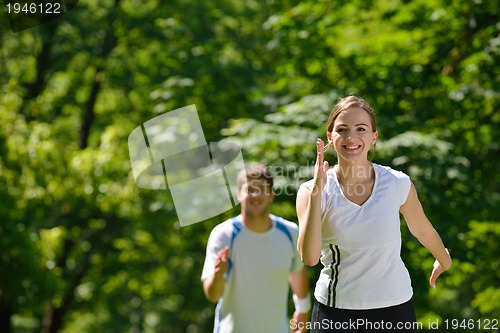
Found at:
<point>321,165</point>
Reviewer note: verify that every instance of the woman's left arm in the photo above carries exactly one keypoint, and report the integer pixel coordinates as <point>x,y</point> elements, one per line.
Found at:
<point>422,229</point>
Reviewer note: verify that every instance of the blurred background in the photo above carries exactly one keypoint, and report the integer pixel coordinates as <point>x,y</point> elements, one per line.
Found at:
<point>84,249</point>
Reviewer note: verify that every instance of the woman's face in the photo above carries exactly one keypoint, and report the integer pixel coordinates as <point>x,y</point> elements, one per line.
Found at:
<point>352,134</point>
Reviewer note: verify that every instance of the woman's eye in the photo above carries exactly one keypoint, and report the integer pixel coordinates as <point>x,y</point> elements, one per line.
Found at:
<point>340,130</point>
<point>361,129</point>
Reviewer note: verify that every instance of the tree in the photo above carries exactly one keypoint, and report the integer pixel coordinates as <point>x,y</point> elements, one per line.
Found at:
<point>83,244</point>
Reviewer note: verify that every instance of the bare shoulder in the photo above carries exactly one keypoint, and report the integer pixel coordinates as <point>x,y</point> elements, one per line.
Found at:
<point>305,189</point>
<point>412,202</point>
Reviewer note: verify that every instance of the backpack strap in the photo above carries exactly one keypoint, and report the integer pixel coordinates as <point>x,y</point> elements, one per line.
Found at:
<point>236,230</point>
<point>280,225</point>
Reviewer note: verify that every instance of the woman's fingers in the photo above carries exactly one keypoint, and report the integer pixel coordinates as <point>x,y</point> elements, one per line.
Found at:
<point>321,165</point>
<point>436,271</point>
<point>320,148</point>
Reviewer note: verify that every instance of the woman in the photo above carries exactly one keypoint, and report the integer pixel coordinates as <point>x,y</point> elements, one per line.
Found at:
<point>349,218</point>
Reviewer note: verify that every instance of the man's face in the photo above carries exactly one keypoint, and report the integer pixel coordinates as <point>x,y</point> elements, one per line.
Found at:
<point>256,196</point>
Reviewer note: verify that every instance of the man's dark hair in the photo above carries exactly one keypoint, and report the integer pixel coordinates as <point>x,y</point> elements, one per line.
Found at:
<point>254,171</point>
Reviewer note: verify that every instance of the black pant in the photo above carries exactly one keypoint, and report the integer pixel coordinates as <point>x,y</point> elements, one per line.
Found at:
<point>398,318</point>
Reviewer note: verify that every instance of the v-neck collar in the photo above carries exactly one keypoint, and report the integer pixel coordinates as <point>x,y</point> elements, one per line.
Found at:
<point>375,173</point>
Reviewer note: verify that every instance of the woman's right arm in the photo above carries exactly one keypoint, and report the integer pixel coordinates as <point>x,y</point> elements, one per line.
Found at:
<point>309,211</point>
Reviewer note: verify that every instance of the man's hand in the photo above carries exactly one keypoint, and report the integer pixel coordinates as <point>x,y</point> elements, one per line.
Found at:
<point>300,320</point>
<point>213,286</point>
<point>221,263</point>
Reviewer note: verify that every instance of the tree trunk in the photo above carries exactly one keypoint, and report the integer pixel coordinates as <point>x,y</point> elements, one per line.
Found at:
<point>54,316</point>
<point>5,317</point>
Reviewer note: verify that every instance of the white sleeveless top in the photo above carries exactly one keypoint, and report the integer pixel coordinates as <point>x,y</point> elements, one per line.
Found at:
<point>361,245</point>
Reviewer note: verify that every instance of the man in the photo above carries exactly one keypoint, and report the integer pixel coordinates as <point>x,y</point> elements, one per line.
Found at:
<point>250,260</point>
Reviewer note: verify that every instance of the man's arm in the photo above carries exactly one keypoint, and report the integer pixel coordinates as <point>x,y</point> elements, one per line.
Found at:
<point>299,282</point>
<point>213,286</point>
<point>300,288</point>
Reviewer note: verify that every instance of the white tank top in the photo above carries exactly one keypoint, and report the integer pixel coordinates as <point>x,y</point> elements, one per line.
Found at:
<point>361,245</point>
